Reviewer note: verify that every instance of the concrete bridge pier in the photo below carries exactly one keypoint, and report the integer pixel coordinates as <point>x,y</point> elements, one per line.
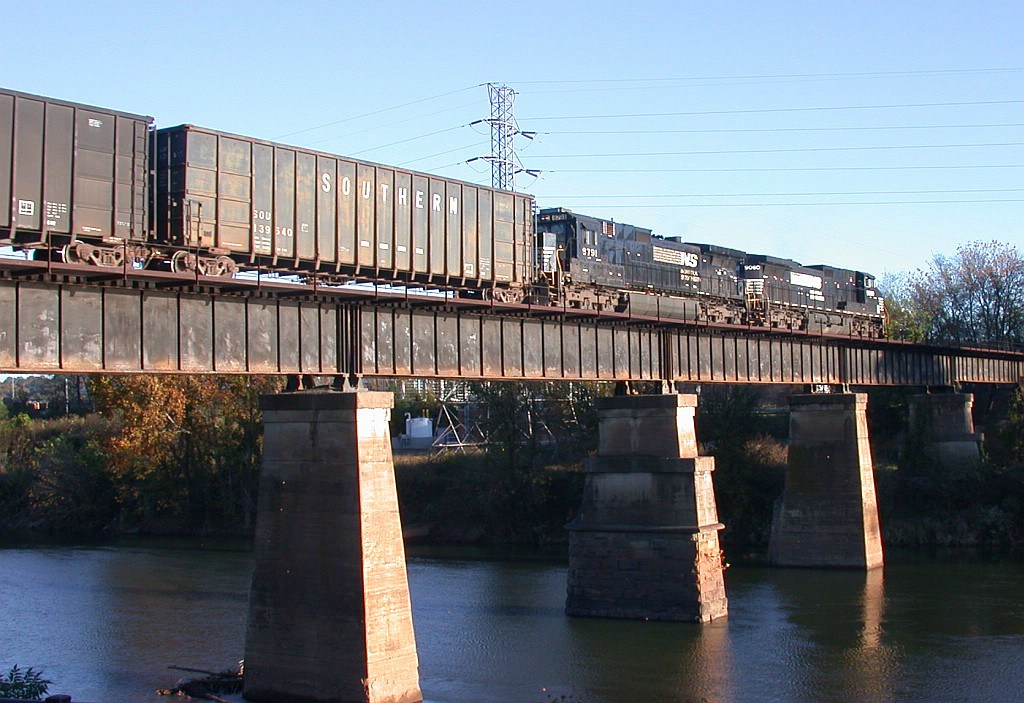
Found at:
<point>645,544</point>
<point>828,515</point>
<point>942,426</point>
<point>330,617</point>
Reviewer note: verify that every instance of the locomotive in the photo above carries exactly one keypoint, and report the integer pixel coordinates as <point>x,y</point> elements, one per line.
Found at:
<point>94,186</point>
<point>596,263</point>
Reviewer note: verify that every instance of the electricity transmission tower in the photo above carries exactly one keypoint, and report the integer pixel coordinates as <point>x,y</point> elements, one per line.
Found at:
<point>503,134</point>
<point>504,130</point>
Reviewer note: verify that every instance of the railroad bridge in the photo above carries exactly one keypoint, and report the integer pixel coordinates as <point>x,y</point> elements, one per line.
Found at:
<point>330,566</point>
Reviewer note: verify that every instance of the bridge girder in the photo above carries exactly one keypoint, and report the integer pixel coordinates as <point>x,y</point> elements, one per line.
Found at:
<point>142,322</point>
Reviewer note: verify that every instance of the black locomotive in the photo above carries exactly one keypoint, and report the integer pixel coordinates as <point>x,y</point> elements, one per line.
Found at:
<point>96,186</point>
<point>594,263</point>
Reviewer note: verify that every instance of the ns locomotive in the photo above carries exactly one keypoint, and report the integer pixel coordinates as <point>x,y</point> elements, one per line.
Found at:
<point>596,263</point>
<point>102,187</point>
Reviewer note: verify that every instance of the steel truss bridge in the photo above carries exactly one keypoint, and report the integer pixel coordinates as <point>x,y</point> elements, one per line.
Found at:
<point>60,318</point>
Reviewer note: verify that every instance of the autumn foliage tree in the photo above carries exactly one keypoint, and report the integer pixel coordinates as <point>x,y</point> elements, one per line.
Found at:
<point>186,449</point>
<point>975,295</point>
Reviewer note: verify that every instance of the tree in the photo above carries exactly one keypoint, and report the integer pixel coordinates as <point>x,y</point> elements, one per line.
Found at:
<point>905,319</point>
<point>1011,433</point>
<point>976,295</point>
<point>187,447</point>
<point>749,465</point>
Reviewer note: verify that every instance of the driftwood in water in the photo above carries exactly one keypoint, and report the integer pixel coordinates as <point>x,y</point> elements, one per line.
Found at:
<point>207,687</point>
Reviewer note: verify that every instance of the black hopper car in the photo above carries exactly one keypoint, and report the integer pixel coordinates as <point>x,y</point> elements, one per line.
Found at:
<point>595,263</point>
<point>95,186</point>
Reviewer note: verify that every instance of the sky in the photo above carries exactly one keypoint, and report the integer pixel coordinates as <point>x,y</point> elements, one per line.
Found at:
<point>868,135</point>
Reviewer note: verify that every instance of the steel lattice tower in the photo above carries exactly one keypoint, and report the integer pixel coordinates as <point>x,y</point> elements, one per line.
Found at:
<point>503,133</point>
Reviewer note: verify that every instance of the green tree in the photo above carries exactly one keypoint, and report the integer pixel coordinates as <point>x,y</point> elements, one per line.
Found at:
<point>1012,430</point>
<point>905,319</point>
<point>72,491</point>
<point>749,465</point>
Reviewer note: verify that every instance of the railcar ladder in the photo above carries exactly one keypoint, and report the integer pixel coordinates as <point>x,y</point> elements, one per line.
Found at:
<point>757,303</point>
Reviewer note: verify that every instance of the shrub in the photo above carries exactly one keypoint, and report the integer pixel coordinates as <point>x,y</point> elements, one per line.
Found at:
<point>28,684</point>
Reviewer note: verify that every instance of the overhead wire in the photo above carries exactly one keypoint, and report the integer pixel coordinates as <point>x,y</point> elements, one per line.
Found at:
<point>378,112</point>
<point>442,153</point>
<point>376,127</point>
<point>855,74</point>
<point>803,204</point>
<point>774,151</point>
<point>783,169</point>
<point>754,111</point>
<point>762,130</point>
<point>410,139</point>
<point>771,195</point>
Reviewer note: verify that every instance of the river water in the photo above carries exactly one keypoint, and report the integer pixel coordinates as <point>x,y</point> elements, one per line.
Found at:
<point>104,623</point>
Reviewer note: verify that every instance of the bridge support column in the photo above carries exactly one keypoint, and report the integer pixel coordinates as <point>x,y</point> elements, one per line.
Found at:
<point>942,426</point>
<point>330,617</point>
<point>645,544</point>
<point>829,514</point>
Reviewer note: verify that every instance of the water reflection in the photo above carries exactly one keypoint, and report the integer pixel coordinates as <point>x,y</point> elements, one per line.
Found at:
<point>666,661</point>
<point>841,616</point>
<point>105,623</point>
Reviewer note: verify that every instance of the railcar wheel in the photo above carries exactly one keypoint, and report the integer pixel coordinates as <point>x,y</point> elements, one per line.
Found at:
<point>71,254</point>
<point>227,266</point>
<point>183,262</point>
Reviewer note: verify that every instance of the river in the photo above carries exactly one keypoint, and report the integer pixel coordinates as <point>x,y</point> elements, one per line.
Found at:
<point>104,623</point>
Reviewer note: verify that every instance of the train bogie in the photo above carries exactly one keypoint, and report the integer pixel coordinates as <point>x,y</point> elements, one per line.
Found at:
<point>287,208</point>
<point>70,171</point>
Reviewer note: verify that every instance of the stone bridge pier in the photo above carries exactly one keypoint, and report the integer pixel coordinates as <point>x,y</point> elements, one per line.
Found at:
<point>942,426</point>
<point>645,544</point>
<point>828,515</point>
<point>329,612</point>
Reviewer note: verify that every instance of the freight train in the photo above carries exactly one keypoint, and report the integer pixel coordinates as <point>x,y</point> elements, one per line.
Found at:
<point>89,185</point>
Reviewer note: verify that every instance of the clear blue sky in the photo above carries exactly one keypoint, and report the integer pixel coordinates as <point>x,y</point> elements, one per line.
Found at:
<point>326,75</point>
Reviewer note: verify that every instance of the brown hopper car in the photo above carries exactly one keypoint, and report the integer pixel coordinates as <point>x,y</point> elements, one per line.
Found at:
<point>280,206</point>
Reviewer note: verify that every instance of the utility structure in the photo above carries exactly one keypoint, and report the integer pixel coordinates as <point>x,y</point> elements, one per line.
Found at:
<point>503,134</point>
<point>504,130</point>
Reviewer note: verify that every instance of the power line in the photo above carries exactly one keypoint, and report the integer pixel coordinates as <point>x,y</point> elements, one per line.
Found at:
<point>781,169</point>
<point>376,127</point>
<point>773,151</point>
<point>870,202</point>
<point>820,108</point>
<point>771,195</point>
<point>859,74</point>
<point>442,153</point>
<point>377,112</point>
<point>410,139</point>
<point>781,129</point>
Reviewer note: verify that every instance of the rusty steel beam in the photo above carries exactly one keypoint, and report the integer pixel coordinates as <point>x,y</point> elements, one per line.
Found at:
<point>156,323</point>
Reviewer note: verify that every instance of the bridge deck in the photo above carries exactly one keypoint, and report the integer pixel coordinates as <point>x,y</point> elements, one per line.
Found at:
<point>56,318</point>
